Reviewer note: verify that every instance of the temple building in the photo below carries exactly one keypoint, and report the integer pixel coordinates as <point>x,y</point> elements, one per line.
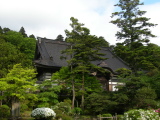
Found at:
<point>48,60</point>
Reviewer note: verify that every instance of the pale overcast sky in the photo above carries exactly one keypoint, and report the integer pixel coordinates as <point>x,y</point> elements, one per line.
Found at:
<point>49,18</point>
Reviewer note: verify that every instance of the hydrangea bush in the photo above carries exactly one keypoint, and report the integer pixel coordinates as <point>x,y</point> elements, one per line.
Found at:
<point>43,114</point>
<point>141,115</point>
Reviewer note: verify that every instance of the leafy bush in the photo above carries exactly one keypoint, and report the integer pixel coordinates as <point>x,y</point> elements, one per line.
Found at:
<point>4,111</point>
<point>107,115</point>
<point>77,111</point>
<point>43,114</point>
<point>119,117</point>
<point>141,115</point>
<point>63,106</point>
<point>66,117</point>
<point>62,115</point>
<point>98,104</point>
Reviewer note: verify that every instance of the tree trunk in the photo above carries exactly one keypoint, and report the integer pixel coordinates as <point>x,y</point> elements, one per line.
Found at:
<point>1,100</point>
<point>73,87</point>
<point>82,102</point>
<point>73,93</point>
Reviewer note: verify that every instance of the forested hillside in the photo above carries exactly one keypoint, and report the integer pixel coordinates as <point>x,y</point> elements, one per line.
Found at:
<point>16,47</point>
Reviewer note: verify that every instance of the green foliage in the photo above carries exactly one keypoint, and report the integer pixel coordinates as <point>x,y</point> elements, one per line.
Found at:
<point>48,93</point>
<point>1,30</point>
<point>121,98</point>
<point>19,84</point>
<point>60,38</point>
<point>136,93</point>
<point>62,116</point>
<point>9,56</point>
<point>134,30</point>
<point>119,117</point>
<point>103,42</point>
<point>134,27</point>
<point>63,110</point>
<point>5,30</point>
<point>140,114</point>
<point>98,104</point>
<point>107,115</point>
<point>23,32</point>
<point>123,72</point>
<point>153,78</point>
<point>77,111</point>
<point>82,50</point>
<point>144,57</point>
<point>4,111</point>
<point>65,107</point>
<point>145,98</point>
<point>15,48</point>
<point>23,44</point>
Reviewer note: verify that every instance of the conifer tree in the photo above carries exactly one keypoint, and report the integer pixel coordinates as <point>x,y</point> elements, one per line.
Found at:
<point>134,31</point>
<point>84,49</point>
<point>134,27</point>
<point>60,38</point>
<point>1,30</point>
<point>23,32</point>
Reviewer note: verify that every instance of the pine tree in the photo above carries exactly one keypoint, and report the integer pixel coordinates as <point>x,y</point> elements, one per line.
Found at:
<point>1,30</point>
<point>84,48</point>
<point>60,38</point>
<point>134,27</point>
<point>23,32</point>
<point>32,36</point>
<point>134,30</point>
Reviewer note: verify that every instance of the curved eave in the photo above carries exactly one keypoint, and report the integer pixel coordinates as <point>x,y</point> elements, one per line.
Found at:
<point>113,72</point>
<point>36,64</point>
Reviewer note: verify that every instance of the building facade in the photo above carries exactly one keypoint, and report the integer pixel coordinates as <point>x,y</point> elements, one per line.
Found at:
<point>48,60</point>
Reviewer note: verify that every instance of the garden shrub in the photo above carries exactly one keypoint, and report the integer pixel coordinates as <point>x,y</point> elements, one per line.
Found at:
<point>62,115</point>
<point>4,111</point>
<point>77,111</point>
<point>65,107</point>
<point>66,117</point>
<point>119,117</point>
<point>140,114</point>
<point>43,114</point>
<point>26,114</point>
<point>107,115</point>
<point>24,107</point>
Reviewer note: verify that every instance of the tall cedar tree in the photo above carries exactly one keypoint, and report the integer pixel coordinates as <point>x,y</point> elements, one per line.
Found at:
<point>134,30</point>
<point>84,48</point>
<point>23,32</point>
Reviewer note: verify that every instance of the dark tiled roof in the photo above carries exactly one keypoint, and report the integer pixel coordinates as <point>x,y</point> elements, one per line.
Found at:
<point>48,53</point>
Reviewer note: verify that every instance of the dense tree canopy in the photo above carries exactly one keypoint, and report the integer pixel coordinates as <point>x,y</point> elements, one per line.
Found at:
<point>84,48</point>
<point>19,83</point>
<point>134,30</point>
<point>15,48</point>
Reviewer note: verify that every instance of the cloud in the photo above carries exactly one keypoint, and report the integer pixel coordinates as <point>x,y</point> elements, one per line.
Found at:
<point>49,18</point>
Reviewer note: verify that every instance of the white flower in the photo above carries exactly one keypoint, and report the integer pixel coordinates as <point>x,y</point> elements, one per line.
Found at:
<point>43,113</point>
<point>141,115</point>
